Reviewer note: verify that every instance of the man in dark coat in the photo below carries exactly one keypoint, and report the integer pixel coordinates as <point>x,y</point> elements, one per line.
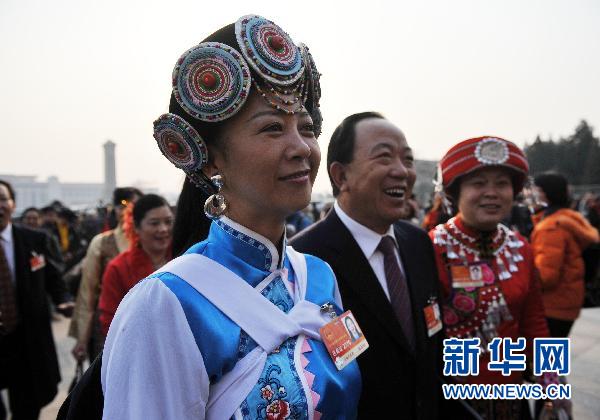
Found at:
<point>385,268</point>
<point>28,363</point>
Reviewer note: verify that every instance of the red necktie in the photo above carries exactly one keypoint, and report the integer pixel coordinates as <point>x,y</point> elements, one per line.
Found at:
<point>8,302</point>
<point>397,288</point>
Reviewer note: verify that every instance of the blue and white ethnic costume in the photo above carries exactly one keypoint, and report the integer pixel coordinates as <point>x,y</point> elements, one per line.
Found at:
<point>228,330</point>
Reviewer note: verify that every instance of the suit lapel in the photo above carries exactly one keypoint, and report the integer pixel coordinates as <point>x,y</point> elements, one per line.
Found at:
<point>354,268</point>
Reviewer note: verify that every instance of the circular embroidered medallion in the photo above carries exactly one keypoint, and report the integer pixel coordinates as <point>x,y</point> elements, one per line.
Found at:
<point>269,50</point>
<point>313,88</point>
<point>211,81</point>
<point>491,151</point>
<point>312,75</point>
<point>180,143</point>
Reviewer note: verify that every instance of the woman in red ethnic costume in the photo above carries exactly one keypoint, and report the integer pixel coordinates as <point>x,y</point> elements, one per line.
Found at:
<point>486,270</point>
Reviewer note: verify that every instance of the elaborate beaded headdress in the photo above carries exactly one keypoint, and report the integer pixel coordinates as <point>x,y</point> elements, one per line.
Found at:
<point>212,81</point>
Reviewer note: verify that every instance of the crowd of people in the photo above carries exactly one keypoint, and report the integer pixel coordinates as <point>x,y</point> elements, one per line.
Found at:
<point>215,308</point>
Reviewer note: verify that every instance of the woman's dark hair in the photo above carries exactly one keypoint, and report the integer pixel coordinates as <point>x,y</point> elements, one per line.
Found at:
<point>556,188</point>
<point>191,225</point>
<point>28,209</point>
<point>144,205</point>
<point>125,194</point>
<point>341,145</point>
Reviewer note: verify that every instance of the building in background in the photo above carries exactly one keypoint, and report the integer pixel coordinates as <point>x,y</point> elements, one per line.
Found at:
<point>33,193</point>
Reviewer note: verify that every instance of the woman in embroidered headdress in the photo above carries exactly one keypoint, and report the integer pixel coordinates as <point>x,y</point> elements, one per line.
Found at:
<point>486,270</point>
<point>230,329</point>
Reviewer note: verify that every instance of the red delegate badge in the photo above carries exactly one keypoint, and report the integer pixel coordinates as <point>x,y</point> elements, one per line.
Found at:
<point>343,339</point>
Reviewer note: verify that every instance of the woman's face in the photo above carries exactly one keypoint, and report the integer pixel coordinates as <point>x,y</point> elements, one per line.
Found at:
<point>155,230</point>
<point>485,197</point>
<point>351,327</point>
<point>268,160</point>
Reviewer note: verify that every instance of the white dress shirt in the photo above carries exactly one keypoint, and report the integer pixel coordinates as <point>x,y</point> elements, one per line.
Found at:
<point>9,249</point>
<point>368,241</point>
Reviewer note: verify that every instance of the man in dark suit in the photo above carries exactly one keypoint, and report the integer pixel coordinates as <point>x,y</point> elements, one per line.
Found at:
<point>28,362</point>
<point>385,268</point>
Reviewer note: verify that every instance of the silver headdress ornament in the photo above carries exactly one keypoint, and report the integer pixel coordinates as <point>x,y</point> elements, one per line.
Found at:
<point>491,151</point>
<point>438,188</point>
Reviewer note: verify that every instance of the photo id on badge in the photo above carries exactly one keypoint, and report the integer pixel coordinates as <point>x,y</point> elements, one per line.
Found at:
<point>343,339</point>
<point>468,275</point>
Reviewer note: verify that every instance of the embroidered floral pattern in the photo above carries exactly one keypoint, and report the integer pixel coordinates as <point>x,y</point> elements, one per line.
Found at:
<point>267,393</point>
<point>450,317</point>
<point>463,302</point>
<point>277,410</point>
<point>274,395</point>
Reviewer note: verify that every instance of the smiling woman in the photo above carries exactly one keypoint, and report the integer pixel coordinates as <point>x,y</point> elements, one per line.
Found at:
<point>230,328</point>
<point>150,249</point>
<point>486,271</point>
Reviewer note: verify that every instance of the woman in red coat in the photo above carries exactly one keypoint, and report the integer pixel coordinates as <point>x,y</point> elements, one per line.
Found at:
<point>486,270</point>
<point>150,250</point>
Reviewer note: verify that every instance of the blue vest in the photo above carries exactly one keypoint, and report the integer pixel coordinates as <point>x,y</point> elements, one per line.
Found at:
<point>299,376</point>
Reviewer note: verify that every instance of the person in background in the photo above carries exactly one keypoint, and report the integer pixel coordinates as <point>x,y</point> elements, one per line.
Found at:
<point>519,218</point>
<point>487,274</point>
<point>85,327</point>
<point>412,211</point>
<point>72,243</point>
<point>559,237</point>
<point>436,215</point>
<point>299,221</point>
<point>28,363</point>
<point>49,219</point>
<point>31,218</point>
<point>150,249</point>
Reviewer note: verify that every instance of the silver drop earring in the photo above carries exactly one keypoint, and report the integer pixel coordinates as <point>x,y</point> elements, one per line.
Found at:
<point>215,205</point>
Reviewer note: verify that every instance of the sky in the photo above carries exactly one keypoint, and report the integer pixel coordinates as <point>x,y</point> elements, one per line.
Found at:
<point>74,74</point>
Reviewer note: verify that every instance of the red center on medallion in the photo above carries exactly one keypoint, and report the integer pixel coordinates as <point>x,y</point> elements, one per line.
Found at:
<point>276,42</point>
<point>175,148</point>
<point>208,80</point>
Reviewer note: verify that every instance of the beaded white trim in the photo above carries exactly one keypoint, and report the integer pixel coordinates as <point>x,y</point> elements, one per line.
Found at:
<point>458,244</point>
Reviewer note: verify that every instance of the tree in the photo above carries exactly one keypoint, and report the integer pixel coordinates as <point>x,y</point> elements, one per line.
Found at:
<point>577,156</point>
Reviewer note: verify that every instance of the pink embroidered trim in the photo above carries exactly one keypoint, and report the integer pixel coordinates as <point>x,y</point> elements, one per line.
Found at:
<point>310,377</point>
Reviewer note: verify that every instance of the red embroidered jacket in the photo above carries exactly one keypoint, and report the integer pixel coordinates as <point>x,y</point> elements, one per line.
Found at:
<point>509,303</point>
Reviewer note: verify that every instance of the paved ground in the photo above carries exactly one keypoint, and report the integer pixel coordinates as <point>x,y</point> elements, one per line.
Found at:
<point>585,376</point>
